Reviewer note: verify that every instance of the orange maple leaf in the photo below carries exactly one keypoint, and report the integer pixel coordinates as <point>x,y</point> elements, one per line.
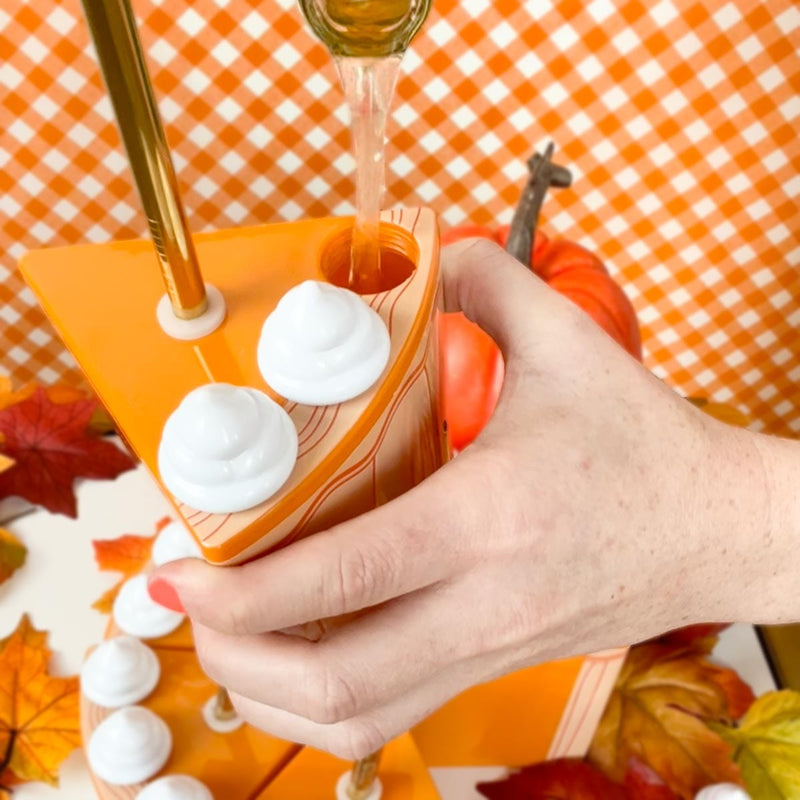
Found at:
<point>128,554</point>
<point>39,724</point>
<point>657,714</point>
<point>56,394</point>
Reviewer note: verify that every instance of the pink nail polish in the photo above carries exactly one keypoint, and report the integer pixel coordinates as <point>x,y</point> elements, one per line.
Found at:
<point>164,594</point>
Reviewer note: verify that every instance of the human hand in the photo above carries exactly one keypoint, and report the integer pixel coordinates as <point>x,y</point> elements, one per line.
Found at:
<point>592,512</point>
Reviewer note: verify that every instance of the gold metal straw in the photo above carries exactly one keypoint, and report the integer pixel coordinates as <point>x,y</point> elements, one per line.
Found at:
<point>363,775</point>
<point>223,706</point>
<point>119,50</point>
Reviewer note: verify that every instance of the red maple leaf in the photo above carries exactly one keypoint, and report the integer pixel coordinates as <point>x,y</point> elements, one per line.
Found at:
<point>643,784</point>
<point>564,779</point>
<point>701,637</point>
<point>51,446</point>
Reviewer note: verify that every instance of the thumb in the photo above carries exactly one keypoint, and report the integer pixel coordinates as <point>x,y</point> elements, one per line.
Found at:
<point>494,290</point>
<point>407,544</point>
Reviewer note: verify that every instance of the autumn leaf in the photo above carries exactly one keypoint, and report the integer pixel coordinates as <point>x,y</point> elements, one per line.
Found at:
<point>128,554</point>
<point>564,779</point>
<point>99,423</point>
<point>722,411</point>
<point>12,554</point>
<point>767,746</point>
<point>739,695</point>
<point>641,783</point>
<point>657,714</point>
<point>727,414</point>
<point>6,394</point>
<point>701,637</point>
<point>39,724</point>
<point>51,446</point>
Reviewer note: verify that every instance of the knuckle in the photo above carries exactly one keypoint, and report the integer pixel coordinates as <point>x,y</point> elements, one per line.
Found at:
<point>331,696</point>
<point>481,248</point>
<point>355,740</point>
<point>363,576</point>
<point>236,616</point>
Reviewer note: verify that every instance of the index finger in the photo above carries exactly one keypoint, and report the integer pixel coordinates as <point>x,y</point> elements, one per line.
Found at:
<point>398,548</point>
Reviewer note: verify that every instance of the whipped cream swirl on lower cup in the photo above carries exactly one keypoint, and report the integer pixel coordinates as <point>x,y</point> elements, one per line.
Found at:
<point>120,672</point>
<point>226,448</point>
<point>173,543</point>
<point>175,787</point>
<point>322,345</point>
<point>129,746</point>
<point>722,791</point>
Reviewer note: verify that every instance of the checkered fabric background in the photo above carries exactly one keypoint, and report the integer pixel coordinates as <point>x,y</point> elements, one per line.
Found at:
<point>679,119</point>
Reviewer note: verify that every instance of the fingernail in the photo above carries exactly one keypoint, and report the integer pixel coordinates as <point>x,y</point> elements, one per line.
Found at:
<point>165,595</point>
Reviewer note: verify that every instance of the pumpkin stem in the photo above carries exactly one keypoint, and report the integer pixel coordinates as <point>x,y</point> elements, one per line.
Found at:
<point>542,175</point>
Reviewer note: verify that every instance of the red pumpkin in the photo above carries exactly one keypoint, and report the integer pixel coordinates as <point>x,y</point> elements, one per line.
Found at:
<point>472,363</point>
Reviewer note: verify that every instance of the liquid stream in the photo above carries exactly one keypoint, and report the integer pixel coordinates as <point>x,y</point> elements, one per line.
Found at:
<point>367,39</point>
<point>368,86</point>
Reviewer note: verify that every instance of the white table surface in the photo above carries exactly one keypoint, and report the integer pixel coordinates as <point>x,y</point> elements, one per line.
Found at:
<point>59,582</point>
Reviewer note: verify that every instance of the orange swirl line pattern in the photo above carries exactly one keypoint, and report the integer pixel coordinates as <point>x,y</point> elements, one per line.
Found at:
<point>363,462</point>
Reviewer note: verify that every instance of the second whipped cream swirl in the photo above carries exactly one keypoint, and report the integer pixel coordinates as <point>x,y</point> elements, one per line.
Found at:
<point>322,345</point>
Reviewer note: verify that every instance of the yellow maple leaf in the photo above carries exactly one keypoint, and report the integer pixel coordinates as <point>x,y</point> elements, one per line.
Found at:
<point>767,746</point>
<point>39,723</point>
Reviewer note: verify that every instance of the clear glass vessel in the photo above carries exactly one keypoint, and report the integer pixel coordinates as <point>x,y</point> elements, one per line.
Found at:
<point>366,28</point>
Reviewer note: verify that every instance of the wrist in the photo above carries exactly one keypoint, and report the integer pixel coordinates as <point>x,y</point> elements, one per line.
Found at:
<point>753,527</point>
<point>775,548</point>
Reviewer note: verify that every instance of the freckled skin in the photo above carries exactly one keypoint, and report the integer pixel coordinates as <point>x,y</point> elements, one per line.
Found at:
<point>596,509</point>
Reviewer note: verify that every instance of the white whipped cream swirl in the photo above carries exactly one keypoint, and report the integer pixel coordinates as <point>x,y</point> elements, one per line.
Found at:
<point>129,746</point>
<point>722,791</point>
<point>226,448</point>
<point>137,614</point>
<point>173,543</point>
<point>322,345</point>
<point>120,672</point>
<point>175,787</point>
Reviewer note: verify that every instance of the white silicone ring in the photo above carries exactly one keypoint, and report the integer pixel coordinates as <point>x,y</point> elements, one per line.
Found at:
<point>190,329</point>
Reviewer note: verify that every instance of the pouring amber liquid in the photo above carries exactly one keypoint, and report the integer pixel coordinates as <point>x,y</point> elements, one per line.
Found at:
<point>367,39</point>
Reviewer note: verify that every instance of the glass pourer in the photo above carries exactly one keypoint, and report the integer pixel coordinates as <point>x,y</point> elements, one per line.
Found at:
<point>367,39</point>
<point>366,28</point>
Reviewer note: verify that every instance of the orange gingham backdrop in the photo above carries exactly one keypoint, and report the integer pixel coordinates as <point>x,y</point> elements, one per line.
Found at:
<point>679,119</point>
